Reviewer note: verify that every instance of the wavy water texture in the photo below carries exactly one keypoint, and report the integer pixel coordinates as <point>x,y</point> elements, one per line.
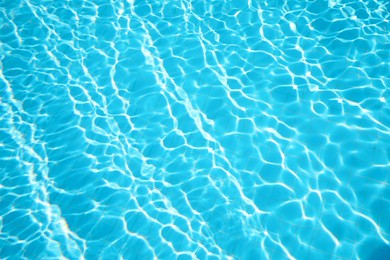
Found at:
<point>194,129</point>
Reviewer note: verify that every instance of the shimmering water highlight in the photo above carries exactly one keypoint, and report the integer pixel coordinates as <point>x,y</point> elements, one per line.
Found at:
<point>194,129</point>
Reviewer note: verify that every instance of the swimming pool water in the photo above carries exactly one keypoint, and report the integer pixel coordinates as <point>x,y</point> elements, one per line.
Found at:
<point>194,129</point>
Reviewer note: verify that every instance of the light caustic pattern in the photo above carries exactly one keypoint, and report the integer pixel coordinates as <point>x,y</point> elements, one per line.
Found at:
<point>194,129</point>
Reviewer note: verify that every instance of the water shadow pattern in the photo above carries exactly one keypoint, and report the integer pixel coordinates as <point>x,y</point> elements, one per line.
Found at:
<point>193,130</point>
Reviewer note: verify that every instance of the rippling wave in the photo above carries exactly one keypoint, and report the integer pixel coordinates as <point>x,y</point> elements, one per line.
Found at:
<point>194,129</point>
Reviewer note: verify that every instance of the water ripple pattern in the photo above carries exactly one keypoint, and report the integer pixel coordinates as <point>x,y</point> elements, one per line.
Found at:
<point>145,129</point>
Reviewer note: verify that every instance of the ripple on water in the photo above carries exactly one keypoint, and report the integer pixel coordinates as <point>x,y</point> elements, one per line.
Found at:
<point>194,130</point>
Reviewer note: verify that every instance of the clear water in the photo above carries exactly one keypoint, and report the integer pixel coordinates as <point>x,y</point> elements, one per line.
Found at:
<point>194,129</point>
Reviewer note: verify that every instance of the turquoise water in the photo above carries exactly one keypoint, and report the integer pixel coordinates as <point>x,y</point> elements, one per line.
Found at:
<point>194,129</point>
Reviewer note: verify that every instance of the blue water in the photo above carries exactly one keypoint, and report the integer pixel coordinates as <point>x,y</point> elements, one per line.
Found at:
<point>194,129</point>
